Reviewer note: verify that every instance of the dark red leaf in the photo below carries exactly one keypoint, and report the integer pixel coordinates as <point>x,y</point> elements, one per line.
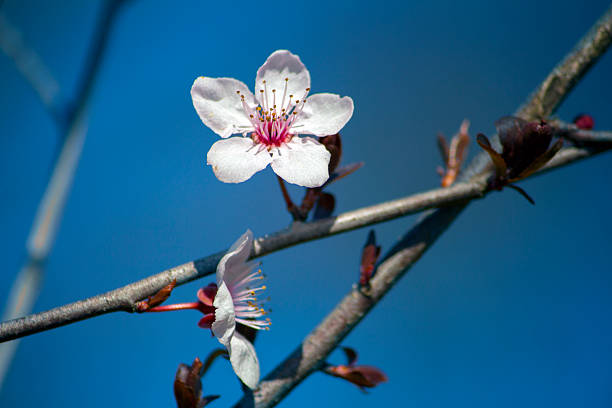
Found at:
<point>342,172</point>
<point>157,299</point>
<point>187,385</point>
<point>351,355</point>
<point>188,382</point>
<point>325,206</point>
<point>333,144</point>
<point>361,376</point>
<point>369,256</point>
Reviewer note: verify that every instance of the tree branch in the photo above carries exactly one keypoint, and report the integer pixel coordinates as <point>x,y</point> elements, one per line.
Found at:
<point>126,297</point>
<point>553,90</point>
<point>354,307</point>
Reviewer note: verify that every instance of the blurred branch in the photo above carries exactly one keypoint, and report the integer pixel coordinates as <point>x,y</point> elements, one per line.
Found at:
<point>27,284</point>
<point>126,297</point>
<point>30,66</point>
<point>311,354</point>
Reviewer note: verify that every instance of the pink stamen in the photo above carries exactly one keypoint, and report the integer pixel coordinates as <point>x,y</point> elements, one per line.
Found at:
<point>272,123</point>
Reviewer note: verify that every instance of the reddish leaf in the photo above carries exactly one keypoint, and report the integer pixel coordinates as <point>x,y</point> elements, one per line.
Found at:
<point>188,383</point>
<point>443,147</point>
<point>157,299</point>
<point>360,375</point>
<point>351,355</point>
<point>325,206</point>
<point>342,172</point>
<point>369,256</point>
<point>333,144</point>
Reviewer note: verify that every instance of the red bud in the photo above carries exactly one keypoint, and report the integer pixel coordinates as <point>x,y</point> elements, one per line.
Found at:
<point>584,121</point>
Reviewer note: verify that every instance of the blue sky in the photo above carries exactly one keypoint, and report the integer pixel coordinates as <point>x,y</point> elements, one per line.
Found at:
<point>512,305</point>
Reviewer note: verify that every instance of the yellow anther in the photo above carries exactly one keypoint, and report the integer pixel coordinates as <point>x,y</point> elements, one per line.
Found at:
<point>286,79</point>
<point>259,108</point>
<point>264,81</point>
<point>263,287</point>
<point>251,115</point>
<point>261,90</point>
<point>307,89</point>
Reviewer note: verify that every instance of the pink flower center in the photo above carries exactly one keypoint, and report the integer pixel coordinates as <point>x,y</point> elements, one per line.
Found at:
<point>273,118</point>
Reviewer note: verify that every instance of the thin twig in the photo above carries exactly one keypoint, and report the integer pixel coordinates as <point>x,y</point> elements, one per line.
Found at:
<point>27,284</point>
<point>582,137</point>
<point>315,348</point>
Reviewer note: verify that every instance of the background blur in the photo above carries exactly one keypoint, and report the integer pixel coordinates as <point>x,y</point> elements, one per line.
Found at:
<point>511,307</point>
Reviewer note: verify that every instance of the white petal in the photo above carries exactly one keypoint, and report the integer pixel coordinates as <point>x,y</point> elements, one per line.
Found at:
<point>282,64</point>
<point>220,107</point>
<point>235,258</point>
<point>324,114</point>
<point>244,360</point>
<point>236,159</point>
<point>302,161</point>
<point>225,317</point>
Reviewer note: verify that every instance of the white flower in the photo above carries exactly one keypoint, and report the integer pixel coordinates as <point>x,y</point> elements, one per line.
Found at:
<point>274,117</point>
<point>235,301</point>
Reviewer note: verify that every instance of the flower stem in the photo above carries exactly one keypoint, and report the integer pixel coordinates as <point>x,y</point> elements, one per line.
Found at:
<point>176,306</point>
<point>290,206</point>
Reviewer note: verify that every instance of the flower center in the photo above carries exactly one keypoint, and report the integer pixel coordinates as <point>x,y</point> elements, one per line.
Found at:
<point>273,118</point>
<point>247,307</point>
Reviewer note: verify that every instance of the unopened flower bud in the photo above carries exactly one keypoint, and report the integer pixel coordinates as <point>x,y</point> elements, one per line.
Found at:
<point>584,121</point>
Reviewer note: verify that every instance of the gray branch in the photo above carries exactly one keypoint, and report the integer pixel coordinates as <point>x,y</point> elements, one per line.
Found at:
<point>126,297</point>
<point>315,348</point>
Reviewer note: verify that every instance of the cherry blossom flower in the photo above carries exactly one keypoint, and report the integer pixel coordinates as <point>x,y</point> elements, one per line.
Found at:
<point>231,300</point>
<point>270,122</point>
<point>234,302</point>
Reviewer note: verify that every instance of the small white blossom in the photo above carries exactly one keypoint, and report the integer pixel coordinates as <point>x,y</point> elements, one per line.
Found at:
<point>235,301</point>
<point>270,122</point>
